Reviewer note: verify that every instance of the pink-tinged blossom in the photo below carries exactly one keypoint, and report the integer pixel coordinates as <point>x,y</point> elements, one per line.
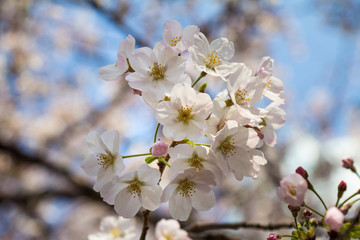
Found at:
<point>159,149</point>
<point>273,118</point>
<point>115,71</point>
<point>292,189</point>
<point>213,58</point>
<point>179,39</point>
<point>234,147</point>
<point>156,70</point>
<point>115,228</point>
<point>104,161</point>
<point>189,189</point>
<point>185,156</point>
<point>245,91</point>
<point>134,190</point>
<point>184,116</point>
<point>170,229</point>
<point>274,86</point>
<point>334,218</point>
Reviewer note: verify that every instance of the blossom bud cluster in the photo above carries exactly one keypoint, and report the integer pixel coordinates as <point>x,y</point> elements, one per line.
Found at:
<point>231,121</point>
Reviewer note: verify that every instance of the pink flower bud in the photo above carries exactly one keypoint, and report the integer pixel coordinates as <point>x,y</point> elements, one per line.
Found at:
<point>342,186</point>
<point>273,236</point>
<point>334,218</point>
<point>292,189</point>
<point>302,172</point>
<point>159,149</point>
<point>348,163</point>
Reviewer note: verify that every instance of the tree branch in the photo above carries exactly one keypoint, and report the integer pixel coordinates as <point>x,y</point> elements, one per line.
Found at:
<point>214,226</point>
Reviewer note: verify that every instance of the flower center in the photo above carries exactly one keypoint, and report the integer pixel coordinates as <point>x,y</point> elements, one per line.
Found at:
<point>134,186</point>
<point>213,60</point>
<point>186,188</point>
<point>241,96</point>
<point>185,114</point>
<point>167,236</point>
<point>175,41</point>
<point>116,233</point>
<point>157,71</point>
<point>227,147</point>
<point>105,159</point>
<point>292,190</point>
<point>269,84</point>
<point>196,162</point>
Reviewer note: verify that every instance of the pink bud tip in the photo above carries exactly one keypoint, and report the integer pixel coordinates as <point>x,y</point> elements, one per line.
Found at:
<point>342,186</point>
<point>273,236</point>
<point>159,149</point>
<point>348,163</point>
<point>302,172</point>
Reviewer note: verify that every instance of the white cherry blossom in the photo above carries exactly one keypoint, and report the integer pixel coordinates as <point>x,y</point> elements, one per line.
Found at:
<point>274,86</point>
<point>184,115</point>
<point>115,228</point>
<point>245,91</point>
<point>177,38</point>
<point>213,58</point>
<point>236,146</point>
<point>167,229</point>
<point>104,161</point>
<point>115,71</point>
<point>156,70</point>
<point>292,189</point>
<point>133,190</point>
<point>273,119</point>
<point>185,156</point>
<point>189,189</point>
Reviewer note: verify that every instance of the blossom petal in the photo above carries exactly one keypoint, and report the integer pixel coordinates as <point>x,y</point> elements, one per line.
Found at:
<point>180,207</point>
<point>90,165</point>
<point>150,197</point>
<point>126,204</point>
<point>203,198</point>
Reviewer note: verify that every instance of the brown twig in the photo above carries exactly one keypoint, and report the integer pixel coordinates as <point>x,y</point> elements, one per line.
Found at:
<point>215,226</point>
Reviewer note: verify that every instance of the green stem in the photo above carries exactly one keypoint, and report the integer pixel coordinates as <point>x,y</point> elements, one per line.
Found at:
<point>357,192</point>
<point>202,74</point>
<point>203,144</point>
<point>290,236</point>
<point>355,201</point>
<point>337,202</point>
<point>313,210</point>
<point>156,131</point>
<point>136,155</point>
<point>319,198</point>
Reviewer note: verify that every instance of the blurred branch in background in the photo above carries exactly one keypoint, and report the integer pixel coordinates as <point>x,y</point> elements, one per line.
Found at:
<point>50,97</point>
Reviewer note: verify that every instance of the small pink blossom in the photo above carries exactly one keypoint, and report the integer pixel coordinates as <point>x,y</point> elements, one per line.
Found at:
<point>334,218</point>
<point>159,149</point>
<point>273,236</point>
<point>292,189</point>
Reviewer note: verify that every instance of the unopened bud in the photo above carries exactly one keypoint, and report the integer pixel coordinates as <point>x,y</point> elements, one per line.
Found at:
<point>294,210</point>
<point>348,163</point>
<point>159,149</point>
<point>345,209</point>
<point>273,236</point>
<point>341,189</point>
<point>307,214</point>
<point>302,172</point>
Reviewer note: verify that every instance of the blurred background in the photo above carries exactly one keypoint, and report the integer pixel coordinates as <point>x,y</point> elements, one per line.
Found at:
<point>51,96</point>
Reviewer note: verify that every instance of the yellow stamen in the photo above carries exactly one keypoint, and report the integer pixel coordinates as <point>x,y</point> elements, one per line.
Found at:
<point>186,188</point>
<point>105,159</point>
<point>157,72</point>
<point>241,96</point>
<point>185,114</point>
<point>196,162</point>
<point>292,190</point>
<point>213,60</point>
<point>175,41</point>
<point>227,147</point>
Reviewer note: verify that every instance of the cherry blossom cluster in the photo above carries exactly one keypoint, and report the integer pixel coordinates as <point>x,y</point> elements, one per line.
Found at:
<point>118,228</point>
<point>231,126</point>
<point>292,191</point>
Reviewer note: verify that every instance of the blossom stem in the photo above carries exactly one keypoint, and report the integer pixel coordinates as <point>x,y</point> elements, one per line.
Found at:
<point>312,189</point>
<point>136,155</point>
<point>321,215</point>
<point>202,74</point>
<point>290,236</point>
<point>357,192</point>
<point>156,131</point>
<point>203,144</point>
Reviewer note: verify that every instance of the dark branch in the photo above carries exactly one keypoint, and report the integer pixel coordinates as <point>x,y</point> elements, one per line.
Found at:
<point>235,226</point>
